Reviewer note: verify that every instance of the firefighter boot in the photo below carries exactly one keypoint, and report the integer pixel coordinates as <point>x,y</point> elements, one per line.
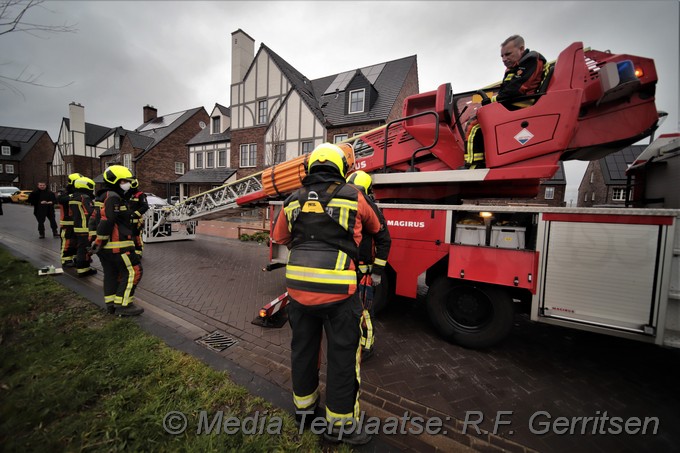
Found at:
<point>367,353</point>
<point>129,310</point>
<point>305,417</point>
<point>110,308</point>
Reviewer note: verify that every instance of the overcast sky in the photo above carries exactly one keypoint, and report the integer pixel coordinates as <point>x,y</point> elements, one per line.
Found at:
<point>176,55</point>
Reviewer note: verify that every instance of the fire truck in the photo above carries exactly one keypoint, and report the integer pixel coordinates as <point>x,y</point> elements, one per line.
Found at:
<point>607,270</point>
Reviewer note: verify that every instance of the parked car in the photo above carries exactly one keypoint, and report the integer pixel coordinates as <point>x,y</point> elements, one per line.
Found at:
<point>155,200</point>
<point>7,192</point>
<point>21,196</point>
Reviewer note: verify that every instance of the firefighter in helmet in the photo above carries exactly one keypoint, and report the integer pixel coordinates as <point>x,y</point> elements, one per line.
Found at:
<point>68,243</point>
<point>80,210</point>
<point>137,204</point>
<point>114,244</point>
<point>373,252</point>
<point>322,224</point>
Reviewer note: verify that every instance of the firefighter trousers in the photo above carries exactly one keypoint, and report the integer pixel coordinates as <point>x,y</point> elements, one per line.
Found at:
<point>122,273</point>
<point>341,322</point>
<point>68,244</point>
<point>83,258</point>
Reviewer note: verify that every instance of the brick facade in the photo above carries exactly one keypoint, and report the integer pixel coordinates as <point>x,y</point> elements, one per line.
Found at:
<point>35,165</point>
<point>155,169</point>
<point>593,190</point>
<point>245,136</point>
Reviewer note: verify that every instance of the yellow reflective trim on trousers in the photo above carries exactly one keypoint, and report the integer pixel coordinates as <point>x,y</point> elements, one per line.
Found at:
<point>65,222</point>
<point>368,339</point>
<point>131,278</point>
<point>379,262</point>
<point>470,155</point>
<point>316,275</point>
<point>303,402</point>
<point>109,299</point>
<point>341,261</point>
<point>119,245</point>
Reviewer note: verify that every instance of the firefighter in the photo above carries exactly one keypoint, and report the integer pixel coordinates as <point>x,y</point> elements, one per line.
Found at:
<point>524,73</point>
<point>68,245</point>
<point>322,224</point>
<point>373,252</point>
<point>80,210</point>
<point>137,205</point>
<point>114,244</point>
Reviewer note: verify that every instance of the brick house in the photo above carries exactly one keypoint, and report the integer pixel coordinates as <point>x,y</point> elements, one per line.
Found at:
<point>78,147</point>
<point>277,113</point>
<point>158,164</point>
<point>24,157</point>
<point>604,181</point>
<point>209,156</point>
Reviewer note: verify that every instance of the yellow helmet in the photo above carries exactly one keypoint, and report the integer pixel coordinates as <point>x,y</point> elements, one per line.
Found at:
<point>361,179</point>
<point>327,155</point>
<point>84,183</point>
<point>115,173</point>
<point>72,178</point>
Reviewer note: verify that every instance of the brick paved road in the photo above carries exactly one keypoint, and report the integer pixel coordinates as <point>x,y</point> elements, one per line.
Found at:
<point>213,283</point>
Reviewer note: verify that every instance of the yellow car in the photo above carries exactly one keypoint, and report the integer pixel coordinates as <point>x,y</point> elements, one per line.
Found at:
<point>20,196</point>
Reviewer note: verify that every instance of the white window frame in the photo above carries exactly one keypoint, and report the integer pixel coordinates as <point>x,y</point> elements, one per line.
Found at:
<point>340,137</point>
<point>262,111</point>
<point>127,160</point>
<point>549,193</point>
<point>248,153</point>
<point>179,168</point>
<point>9,169</point>
<point>306,147</point>
<point>198,160</point>
<point>353,102</point>
<point>621,192</point>
<point>218,120</point>
<point>220,162</point>
<point>592,198</point>
<point>6,150</point>
<point>585,196</point>
<point>210,159</point>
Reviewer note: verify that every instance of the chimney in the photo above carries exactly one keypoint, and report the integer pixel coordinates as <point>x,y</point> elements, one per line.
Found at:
<point>150,113</point>
<point>242,54</point>
<point>76,115</point>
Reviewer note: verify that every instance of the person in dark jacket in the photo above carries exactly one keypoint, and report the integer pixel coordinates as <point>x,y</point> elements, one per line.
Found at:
<point>114,245</point>
<point>137,204</point>
<point>43,201</point>
<point>80,210</point>
<point>68,242</point>
<point>373,252</point>
<point>322,224</point>
<point>523,76</point>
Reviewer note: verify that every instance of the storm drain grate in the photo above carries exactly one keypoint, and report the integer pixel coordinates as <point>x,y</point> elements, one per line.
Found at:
<point>217,341</point>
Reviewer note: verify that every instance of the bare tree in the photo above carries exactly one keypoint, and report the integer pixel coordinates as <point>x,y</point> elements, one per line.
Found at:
<point>14,19</point>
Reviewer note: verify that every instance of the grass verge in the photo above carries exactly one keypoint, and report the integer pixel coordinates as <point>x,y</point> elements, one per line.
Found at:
<point>73,378</point>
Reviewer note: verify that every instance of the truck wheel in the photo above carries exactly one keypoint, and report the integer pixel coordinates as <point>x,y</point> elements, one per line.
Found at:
<point>471,315</point>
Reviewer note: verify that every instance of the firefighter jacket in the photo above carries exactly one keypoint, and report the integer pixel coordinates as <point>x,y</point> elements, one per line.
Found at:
<point>322,224</point>
<point>80,209</point>
<point>374,249</point>
<point>95,217</point>
<point>137,205</point>
<point>522,79</point>
<point>114,232</point>
<point>65,219</point>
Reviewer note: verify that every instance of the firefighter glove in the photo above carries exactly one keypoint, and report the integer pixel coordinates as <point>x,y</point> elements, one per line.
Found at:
<point>376,274</point>
<point>95,248</point>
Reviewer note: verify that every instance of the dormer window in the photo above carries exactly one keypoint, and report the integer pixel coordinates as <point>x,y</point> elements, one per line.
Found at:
<point>6,150</point>
<point>216,126</point>
<point>356,101</point>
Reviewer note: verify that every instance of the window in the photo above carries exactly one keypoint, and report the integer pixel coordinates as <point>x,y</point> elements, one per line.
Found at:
<point>199,160</point>
<point>592,177</point>
<point>248,155</point>
<point>209,159</point>
<point>306,148</point>
<point>585,196</point>
<point>6,151</point>
<point>619,194</point>
<point>340,137</point>
<point>179,168</point>
<point>549,193</point>
<point>355,134</point>
<point>262,112</point>
<point>592,198</point>
<point>1,168</point>
<point>221,158</point>
<point>279,153</point>
<point>356,101</point>
<point>216,128</point>
<point>9,168</point>
<point>127,160</point>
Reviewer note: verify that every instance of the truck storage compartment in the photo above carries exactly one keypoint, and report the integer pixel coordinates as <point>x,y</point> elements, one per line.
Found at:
<point>470,234</point>
<point>508,237</point>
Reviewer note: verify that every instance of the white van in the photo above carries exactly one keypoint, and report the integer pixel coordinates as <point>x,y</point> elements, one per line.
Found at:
<point>6,192</point>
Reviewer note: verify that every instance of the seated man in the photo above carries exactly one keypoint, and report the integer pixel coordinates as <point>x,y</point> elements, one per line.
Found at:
<point>523,76</point>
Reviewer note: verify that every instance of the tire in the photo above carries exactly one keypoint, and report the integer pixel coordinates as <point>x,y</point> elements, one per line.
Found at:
<point>472,315</point>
